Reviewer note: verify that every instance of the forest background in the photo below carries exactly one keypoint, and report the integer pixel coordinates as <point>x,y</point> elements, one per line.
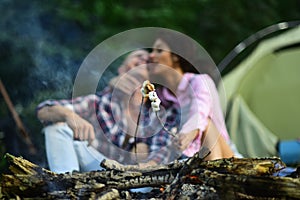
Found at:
<point>43,43</point>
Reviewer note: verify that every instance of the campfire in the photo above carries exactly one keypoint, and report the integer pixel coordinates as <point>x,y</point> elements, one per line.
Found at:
<point>232,178</point>
<point>193,178</point>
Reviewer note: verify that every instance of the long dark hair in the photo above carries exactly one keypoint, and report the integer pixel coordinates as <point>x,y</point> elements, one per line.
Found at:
<point>192,58</point>
<point>186,66</point>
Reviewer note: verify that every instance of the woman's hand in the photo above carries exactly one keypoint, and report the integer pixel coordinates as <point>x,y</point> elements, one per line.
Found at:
<point>185,139</point>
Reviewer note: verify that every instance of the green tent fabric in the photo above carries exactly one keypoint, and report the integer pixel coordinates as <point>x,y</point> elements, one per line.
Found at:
<point>251,137</point>
<point>264,96</point>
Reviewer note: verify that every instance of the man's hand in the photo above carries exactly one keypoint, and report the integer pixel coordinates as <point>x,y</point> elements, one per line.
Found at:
<point>150,163</point>
<point>83,130</point>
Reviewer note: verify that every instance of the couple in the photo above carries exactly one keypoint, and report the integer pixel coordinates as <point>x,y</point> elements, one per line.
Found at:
<point>81,132</point>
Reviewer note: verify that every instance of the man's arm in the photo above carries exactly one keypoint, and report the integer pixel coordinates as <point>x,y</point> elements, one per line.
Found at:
<point>53,114</point>
<point>82,129</point>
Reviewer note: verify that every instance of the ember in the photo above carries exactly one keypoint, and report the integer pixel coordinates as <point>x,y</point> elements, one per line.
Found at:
<point>194,179</point>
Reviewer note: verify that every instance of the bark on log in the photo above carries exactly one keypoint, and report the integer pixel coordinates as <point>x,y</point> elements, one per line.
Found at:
<point>196,179</point>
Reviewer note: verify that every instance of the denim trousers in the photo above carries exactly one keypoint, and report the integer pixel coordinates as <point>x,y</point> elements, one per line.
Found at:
<point>64,154</point>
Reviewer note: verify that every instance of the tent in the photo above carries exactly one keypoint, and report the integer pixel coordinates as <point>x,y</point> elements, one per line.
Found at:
<point>263,96</point>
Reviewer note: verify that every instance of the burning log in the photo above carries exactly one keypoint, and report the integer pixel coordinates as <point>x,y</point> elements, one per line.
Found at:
<point>194,178</point>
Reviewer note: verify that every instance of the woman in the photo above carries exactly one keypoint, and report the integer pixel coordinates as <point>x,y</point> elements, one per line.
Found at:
<point>201,117</point>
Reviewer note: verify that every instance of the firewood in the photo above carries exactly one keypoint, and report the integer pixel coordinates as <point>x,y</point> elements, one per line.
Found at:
<point>232,178</point>
<point>252,185</point>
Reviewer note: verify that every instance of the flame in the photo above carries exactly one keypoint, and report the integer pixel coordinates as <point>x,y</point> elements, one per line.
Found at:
<point>194,178</point>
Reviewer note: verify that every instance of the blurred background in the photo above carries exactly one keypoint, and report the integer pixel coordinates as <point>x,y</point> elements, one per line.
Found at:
<point>42,45</point>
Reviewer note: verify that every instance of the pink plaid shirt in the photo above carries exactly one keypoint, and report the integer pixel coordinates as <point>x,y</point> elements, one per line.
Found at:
<point>198,100</point>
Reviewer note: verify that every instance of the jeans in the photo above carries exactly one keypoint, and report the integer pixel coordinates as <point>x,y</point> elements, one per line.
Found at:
<point>64,154</point>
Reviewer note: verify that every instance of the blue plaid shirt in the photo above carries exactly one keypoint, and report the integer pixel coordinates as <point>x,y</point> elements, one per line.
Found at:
<point>105,113</point>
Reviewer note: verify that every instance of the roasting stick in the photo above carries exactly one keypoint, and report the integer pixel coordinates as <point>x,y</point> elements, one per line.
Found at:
<point>17,119</point>
<point>136,130</point>
<point>163,126</point>
<point>148,91</point>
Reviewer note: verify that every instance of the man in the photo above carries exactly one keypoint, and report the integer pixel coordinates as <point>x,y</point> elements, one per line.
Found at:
<point>83,131</point>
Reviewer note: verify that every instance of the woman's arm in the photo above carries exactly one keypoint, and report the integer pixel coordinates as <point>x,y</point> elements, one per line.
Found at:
<point>199,129</point>
<point>213,140</point>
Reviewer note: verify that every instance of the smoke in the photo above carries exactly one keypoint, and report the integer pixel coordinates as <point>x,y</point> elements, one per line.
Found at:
<point>46,60</point>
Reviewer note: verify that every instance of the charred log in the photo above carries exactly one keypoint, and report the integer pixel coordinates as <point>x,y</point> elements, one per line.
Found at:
<point>195,179</point>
